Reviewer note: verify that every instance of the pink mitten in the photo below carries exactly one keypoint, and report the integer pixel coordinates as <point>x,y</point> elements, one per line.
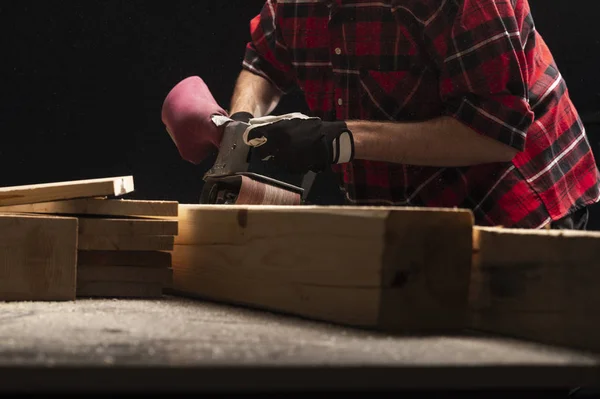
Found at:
<point>186,113</point>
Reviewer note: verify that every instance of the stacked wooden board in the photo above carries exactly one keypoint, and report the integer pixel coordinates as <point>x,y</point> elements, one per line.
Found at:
<point>393,269</point>
<point>119,247</point>
<point>38,258</point>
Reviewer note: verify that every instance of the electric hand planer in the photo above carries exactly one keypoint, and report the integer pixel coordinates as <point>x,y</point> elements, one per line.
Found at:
<point>199,126</point>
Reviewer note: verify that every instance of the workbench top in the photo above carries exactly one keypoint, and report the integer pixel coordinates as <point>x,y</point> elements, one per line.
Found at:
<point>190,344</point>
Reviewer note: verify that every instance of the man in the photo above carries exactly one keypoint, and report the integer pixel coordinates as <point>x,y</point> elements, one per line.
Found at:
<point>433,103</point>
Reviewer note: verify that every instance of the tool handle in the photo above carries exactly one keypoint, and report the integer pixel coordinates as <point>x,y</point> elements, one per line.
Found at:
<point>307,183</point>
<point>234,153</point>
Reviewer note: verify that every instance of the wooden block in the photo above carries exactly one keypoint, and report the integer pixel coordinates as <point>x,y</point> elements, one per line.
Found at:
<point>99,206</point>
<point>35,193</point>
<point>387,268</point>
<point>540,285</point>
<point>119,289</point>
<point>124,258</point>
<point>38,258</point>
<point>129,227</point>
<point>125,243</point>
<point>134,274</point>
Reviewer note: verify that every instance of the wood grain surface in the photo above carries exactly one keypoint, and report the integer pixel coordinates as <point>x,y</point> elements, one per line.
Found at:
<point>38,258</point>
<point>35,193</point>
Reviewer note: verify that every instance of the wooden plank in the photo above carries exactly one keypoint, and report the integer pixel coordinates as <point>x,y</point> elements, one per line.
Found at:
<point>125,243</point>
<point>134,274</point>
<point>540,285</point>
<point>119,289</point>
<point>38,258</point>
<point>99,206</point>
<point>389,268</point>
<point>130,227</point>
<point>124,258</point>
<point>28,194</point>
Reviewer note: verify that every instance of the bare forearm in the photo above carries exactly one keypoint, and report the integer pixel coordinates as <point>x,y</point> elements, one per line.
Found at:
<point>254,94</point>
<point>441,142</point>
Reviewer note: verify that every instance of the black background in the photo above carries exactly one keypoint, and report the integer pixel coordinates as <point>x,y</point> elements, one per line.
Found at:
<point>83,83</point>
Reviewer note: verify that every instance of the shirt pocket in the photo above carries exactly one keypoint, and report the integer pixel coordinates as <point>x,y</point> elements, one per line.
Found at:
<point>398,94</point>
<point>380,92</point>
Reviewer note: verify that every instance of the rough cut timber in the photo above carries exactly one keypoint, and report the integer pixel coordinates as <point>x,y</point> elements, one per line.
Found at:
<point>386,268</point>
<point>122,281</point>
<point>36,193</point>
<point>125,243</point>
<point>38,258</point>
<point>124,258</point>
<point>119,289</point>
<point>133,274</point>
<point>99,206</point>
<point>540,285</point>
<point>127,227</point>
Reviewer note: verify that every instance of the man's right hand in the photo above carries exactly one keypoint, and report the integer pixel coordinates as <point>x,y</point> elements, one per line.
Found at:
<point>299,143</point>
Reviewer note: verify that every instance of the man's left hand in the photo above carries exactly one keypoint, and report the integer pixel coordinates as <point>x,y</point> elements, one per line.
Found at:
<point>299,143</point>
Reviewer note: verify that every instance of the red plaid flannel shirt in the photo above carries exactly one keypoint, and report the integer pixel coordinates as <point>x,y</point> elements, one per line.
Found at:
<point>479,61</point>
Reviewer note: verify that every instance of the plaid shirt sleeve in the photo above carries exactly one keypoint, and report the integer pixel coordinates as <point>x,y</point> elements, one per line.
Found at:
<point>476,44</point>
<point>266,55</point>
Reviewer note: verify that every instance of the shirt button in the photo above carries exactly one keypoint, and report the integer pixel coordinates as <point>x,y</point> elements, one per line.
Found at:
<point>338,51</point>
<point>340,101</point>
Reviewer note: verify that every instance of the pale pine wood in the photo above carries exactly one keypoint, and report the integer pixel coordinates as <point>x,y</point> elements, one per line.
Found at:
<point>135,274</point>
<point>124,258</point>
<point>35,193</point>
<point>393,268</point>
<point>119,289</point>
<point>125,243</point>
<point>38,258</point>
<point>99,206</point>
<point>348,305</point>
<point>127,227</point>
<point>540,285</point>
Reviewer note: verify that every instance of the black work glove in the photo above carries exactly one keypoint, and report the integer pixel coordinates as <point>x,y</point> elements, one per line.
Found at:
<point>300,143</point>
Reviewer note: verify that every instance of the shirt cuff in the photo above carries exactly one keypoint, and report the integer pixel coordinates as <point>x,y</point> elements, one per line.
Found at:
<point>503,118</point>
